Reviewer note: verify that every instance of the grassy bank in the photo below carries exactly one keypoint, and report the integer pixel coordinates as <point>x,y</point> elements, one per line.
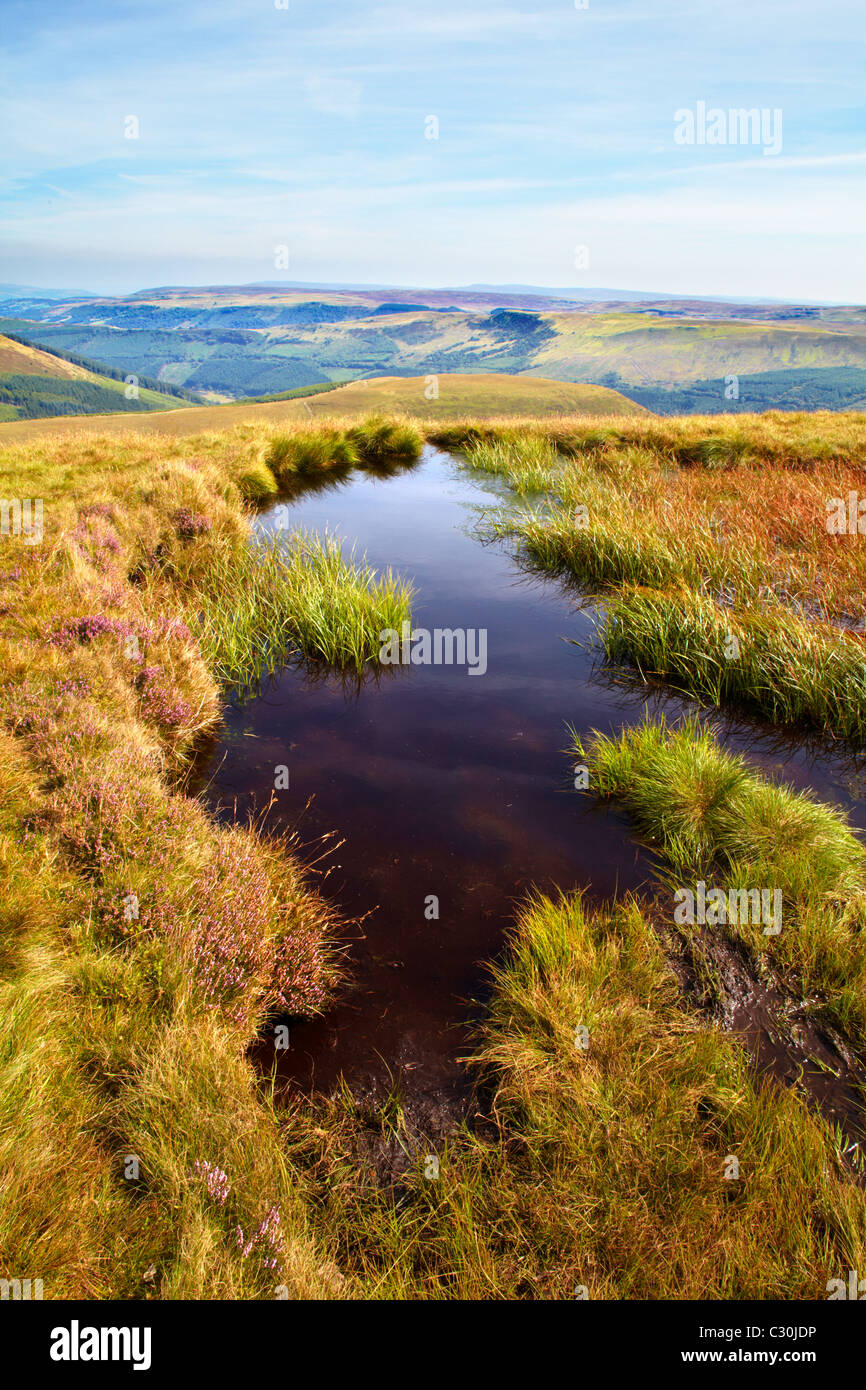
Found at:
<point>715,819</point>
<point>713,548</point>
<point>144,947</point>
<point>602,1172</point>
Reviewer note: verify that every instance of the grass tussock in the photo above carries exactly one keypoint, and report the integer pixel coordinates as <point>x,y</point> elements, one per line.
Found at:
<point>300,597</point>
<point>714,818</point>
<point>527,467</point>
<point>718,571</point>
<point>378,441</point>
<point>381,441</point>
<point>257,483</point>
<point>305,452</point>
<point>602,1174</point>
<point>781,667</point>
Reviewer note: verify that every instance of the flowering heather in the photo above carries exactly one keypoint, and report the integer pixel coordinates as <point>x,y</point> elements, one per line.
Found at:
<point>189,524</point>
<point>154,914</point>
<point>169,627</point>
<point>85,629</point>
<point>91,544</point>
<point>265,1240</point>
<point>299,969</point>
<point>70,686</point>
<point>230,947</point>
<point>249,951</point>
<point>20,703</point>
<point>97,509</point>
<point>111,820</point>
<point>158,702</point>
<point>215,1180</point>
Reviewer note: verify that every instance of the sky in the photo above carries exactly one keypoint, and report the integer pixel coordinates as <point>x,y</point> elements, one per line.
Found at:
<point>435,144</point>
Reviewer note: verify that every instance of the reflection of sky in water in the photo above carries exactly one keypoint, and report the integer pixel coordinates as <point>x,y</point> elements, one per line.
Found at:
<point>444,783</point>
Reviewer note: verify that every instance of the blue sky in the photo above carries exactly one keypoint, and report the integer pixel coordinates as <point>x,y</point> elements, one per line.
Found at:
<point>305,127</point>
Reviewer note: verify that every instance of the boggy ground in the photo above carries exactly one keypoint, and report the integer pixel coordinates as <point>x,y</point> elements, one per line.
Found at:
<point>622,1147</point>
<point>731,558</point>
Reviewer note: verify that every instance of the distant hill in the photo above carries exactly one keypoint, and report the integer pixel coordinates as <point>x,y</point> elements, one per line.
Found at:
<point>225,343</point>
<point>36,292</point>
<point>36,384</point>
<point>481,395</point>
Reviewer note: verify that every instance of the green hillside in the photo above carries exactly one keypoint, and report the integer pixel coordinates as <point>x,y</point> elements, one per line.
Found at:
<point>233,344</point>
<point>483,396</point>
<point>36,384</point>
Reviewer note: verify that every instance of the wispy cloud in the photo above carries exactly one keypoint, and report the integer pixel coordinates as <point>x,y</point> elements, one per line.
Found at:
<point>309,126</point>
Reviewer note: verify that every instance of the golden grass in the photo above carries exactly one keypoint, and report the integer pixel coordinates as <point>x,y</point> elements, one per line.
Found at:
<point>718,542</point>
<point>476,395</point>
<point>603,1171</point>
<point>143,946</point>
<point>713,818</point>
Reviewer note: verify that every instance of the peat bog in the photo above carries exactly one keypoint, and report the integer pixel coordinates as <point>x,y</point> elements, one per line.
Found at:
<point>429,783</point>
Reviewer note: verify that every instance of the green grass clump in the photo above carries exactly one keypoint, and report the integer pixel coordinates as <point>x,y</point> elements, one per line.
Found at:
<point>712,817</point>
<point>257,483</point>
<point>308,451</point>
<point>603,1166</point>
<point>716,451</point>
<point>380,441</point>
<point>267,602</point>
<point>782,667</point>
<point>528,465</point>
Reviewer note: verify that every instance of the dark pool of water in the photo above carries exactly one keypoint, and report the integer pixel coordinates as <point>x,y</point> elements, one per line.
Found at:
<point>445,784</point>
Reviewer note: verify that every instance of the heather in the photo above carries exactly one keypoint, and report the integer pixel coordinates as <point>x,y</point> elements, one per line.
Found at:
<point>148,950</point>
<point>146,946</point>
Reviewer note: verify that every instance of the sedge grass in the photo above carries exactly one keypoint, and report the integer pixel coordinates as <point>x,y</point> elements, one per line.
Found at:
<point>380,440</point>
<point>714,818</point>
<point>771,662</point>
<point>296,596</point>
<point>721,580</point>
<point>602,1173</point>
<point>527,466</point>
<point>305,452</point>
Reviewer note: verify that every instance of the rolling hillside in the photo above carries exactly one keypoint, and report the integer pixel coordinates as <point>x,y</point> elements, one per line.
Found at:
<point>483,396</point>
<point>35,384</point>
<point>674,356</point>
